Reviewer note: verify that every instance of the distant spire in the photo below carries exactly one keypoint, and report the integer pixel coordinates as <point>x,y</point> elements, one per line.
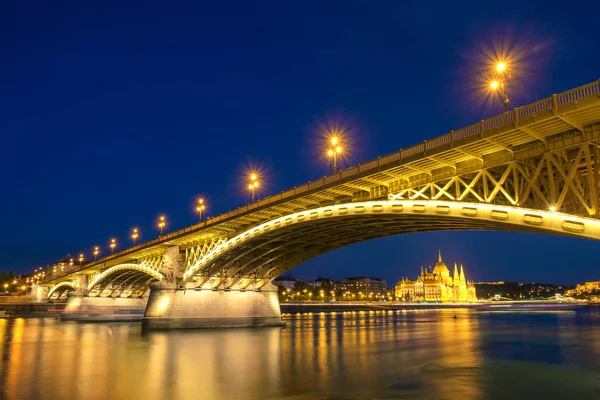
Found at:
<point>439,256</point>
<point>462,274</point>
<point>455,272</point>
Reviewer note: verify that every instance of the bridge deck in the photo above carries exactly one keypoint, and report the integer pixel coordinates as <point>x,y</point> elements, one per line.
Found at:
<point>497,140</point>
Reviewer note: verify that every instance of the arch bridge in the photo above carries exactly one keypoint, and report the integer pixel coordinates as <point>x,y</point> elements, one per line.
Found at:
<point>532,169</point>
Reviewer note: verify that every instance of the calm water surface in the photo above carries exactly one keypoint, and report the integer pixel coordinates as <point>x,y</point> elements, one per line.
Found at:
<point>360,355</point>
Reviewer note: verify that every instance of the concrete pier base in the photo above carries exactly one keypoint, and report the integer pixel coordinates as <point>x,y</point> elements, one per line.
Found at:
<point>176,308</point>
<point>103,309</point>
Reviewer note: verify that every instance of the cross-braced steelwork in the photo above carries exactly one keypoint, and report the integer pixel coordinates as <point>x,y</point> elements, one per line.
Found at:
<point>532,169</point>
<point>564,179</point>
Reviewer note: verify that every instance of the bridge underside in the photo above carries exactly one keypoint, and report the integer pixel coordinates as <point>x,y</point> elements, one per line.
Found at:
<point>254,262</point>
<point>122,283</point>
<point>60,292</point>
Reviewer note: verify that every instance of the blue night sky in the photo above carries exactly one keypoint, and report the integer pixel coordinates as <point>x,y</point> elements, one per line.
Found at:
<point>114,112</point>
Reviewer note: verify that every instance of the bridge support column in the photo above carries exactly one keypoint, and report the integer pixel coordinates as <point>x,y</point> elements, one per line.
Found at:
<point>82,283</point>
<point>40,292</point>
<point>103,309</point>
<point>170,307</point>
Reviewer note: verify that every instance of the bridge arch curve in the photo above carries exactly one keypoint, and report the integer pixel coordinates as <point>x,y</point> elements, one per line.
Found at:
<point>267,250</point>
<point>127,276</point>
<point>60,288</point>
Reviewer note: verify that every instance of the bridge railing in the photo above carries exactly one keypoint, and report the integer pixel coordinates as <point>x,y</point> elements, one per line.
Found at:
<point>550,103</point>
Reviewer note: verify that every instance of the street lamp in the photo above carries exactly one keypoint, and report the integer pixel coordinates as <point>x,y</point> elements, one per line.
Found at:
<point>70,262</point>
<point>499,81</point>
<point>253,185</point>
<point>200,208</point>
<point>96,252</point>
<point>134,235</point>
<point>334,151</point>
<point>161,224</point>
<point>113,244</point>
<point>80,259</point>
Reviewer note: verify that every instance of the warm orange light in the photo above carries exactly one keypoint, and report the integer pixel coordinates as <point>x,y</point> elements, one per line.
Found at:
<point>334,141</point>
<point>338,149</point>
<point>501,66</point>
<point>494,85</point>
<point>253,177</point>
<point>330,153</point>
<point>250,186</point>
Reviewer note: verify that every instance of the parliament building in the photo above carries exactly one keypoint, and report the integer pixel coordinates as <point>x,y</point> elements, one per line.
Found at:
<point>437,285</point>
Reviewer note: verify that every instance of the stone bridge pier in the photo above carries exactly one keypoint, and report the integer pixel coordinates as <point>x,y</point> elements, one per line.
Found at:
<point>172,306</point>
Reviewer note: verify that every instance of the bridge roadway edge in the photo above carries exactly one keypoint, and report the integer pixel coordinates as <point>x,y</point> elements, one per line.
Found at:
<point>171,307</point>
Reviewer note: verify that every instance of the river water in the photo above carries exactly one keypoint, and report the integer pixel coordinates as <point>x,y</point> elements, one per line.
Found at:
<point>353,355</point>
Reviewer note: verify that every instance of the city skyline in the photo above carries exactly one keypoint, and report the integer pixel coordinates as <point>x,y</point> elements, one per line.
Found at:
<point>112,143</point>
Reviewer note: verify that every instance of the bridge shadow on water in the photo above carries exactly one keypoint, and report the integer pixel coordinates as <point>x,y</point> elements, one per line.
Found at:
<point>354,355</point>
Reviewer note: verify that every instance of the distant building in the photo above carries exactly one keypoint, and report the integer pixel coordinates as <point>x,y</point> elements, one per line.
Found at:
<point>363,285</point>
<point>285,281</point>
<point>437,285</point>
<point>587,287</point>
<point>323,282</point>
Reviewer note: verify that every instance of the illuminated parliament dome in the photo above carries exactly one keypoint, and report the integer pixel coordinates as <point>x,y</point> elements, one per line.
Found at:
<point>437,285</point>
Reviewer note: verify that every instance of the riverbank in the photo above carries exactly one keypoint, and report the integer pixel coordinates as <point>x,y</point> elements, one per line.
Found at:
<point>27,308</point>
<point>295,308</point>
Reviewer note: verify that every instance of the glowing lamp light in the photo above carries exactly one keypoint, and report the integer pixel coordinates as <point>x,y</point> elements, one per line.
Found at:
<point>552,208</point>
<point>161,223</point>
<point>501,66</point>
<point>494,85</point>
<point>200,208</point>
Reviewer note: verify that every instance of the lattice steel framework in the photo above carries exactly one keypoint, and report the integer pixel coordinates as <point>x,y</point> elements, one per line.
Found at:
<point>563,180</point>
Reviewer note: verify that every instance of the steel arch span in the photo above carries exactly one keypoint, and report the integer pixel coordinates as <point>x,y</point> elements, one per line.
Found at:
<point>258,255</point>
<point>60,288</point>
<point>123,277</point>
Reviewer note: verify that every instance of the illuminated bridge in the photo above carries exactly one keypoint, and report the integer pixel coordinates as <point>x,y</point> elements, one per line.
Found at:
<point>531,169</point>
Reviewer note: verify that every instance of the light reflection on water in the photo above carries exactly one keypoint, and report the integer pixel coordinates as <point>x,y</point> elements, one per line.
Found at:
<point>354,355</point>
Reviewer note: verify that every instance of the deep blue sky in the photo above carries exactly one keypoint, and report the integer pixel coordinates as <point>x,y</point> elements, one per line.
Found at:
<point>112,113</point>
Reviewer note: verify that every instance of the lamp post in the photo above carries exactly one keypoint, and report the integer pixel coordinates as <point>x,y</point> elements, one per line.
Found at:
<point>96,252</point>
<point>80,259</point>
<point>113,244</point>
<point>161,223</point>
<point>253,186</point>
<point>334,151</point>
<point>499,82</point>
<point>200,208</point>
<point>134,235</point>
